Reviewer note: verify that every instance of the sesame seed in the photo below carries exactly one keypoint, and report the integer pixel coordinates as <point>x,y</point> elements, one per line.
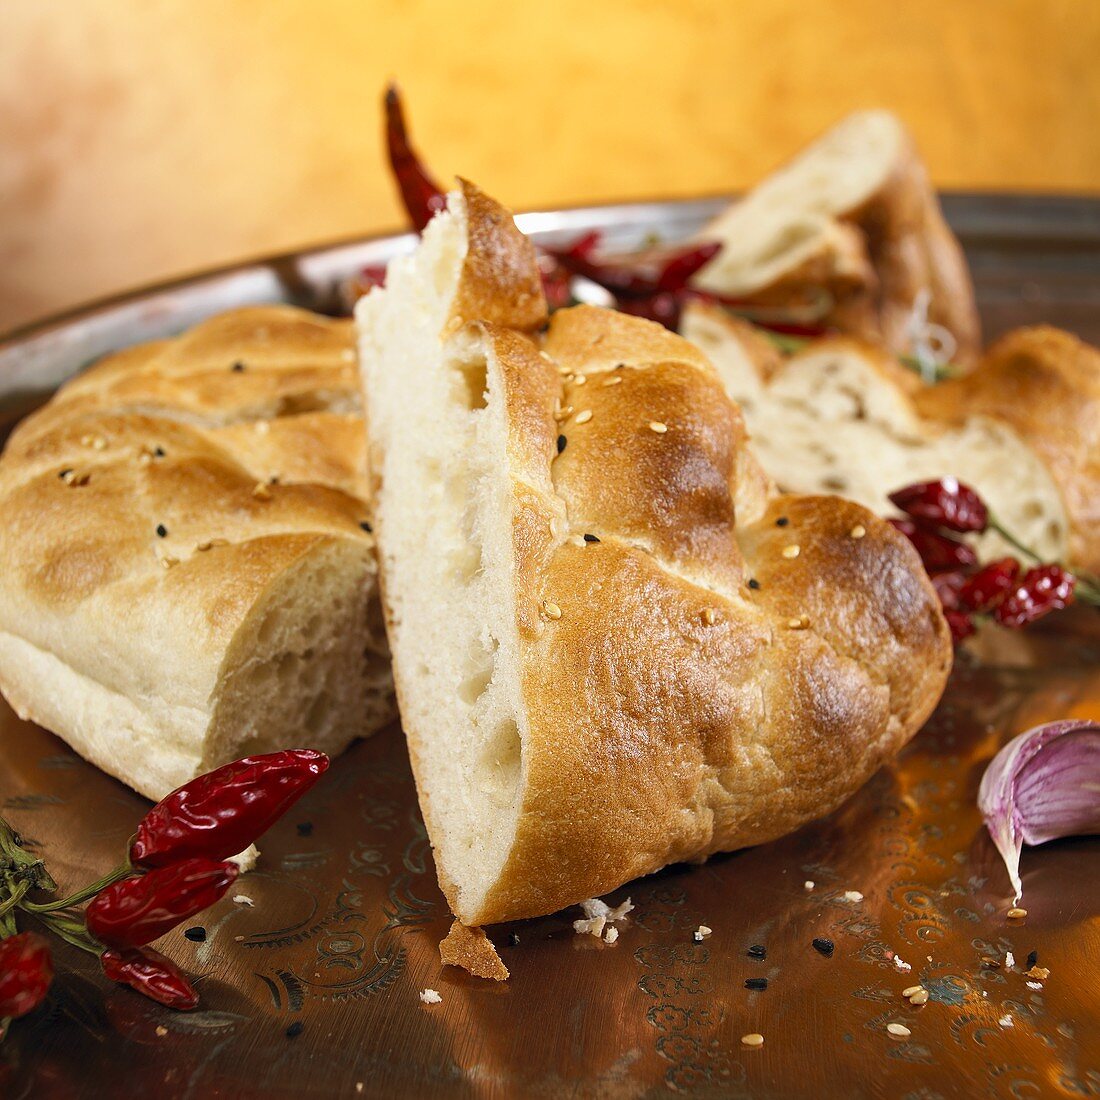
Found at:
<point>364,525</point>
<point>754,584</point>
<point>852,895</point>
<point>858,531</point>
<point>551,610</point>
<point>754,1039</point>
<point>799,623</point>
<point>66,473</point>
<point>237,367</point>
<point>546,356</point>
<point>161,530</point>
<point>295,1029</point>
<point>757,951</point>
<point>579,379</point>
<point>1016,913</point>
<point>697,937</point>
<point>911,990</point>
<point>823,946</point>
<point>756,983</point>
<point>658,427</point>
<point>305,828</point>
<point>919,998</point>
<point>791,551</point>
<point>562,412</point>
<point>614,380</point>
<point>1032,958</point>
<point>196,934</point>
<point>76,480</point>
<point>709,616</point>
<point>576,540</point>
<point>898,1031</point>
<point>583,416</point>
<point>561,443</point>
<point>704,931</point>
<point>808,884</point>
<point>159,452</point>
<point>591,538</point>
<point>261,492</point>
<point>168,561</point>
<point>782,521</point>
<point>513,939</point>
<point>203,546</point>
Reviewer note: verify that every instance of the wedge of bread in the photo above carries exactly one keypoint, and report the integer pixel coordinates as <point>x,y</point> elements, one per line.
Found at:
<point>614,645</point>
<point>841,416</point>
<point>184,574</point>
<point>852,217</point>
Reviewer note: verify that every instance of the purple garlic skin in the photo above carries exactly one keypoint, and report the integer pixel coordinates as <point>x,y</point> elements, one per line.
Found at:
<point>1042,785</point>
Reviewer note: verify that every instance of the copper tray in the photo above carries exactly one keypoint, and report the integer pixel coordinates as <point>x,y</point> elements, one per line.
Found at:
<point>347,916</point>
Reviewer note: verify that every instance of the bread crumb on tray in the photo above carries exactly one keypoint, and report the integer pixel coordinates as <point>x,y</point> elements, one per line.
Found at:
<point>473,951</point>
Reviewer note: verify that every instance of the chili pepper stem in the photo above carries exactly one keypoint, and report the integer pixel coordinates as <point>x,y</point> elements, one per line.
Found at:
<point>71,931</point>
<point>15,897</point>
<point>123,870</point>
<point>1087,588</point>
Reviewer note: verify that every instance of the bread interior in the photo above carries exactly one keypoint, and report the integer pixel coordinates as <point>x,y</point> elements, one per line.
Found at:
<point>787,218</point>
<point>443,515</point>
<point>828,421</point>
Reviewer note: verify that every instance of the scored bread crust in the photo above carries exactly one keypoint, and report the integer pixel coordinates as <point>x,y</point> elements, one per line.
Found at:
<point>874,252</point>
<point>1036,389</point>
<point>670,709</point>
<point>158,656</point>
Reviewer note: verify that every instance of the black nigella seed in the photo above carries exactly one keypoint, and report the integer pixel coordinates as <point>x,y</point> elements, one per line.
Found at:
<point>758,951</point>
<point>65,473</point>
<point>824,946</point>
<point>366,527</point>
<point>295,1029</point>
<point>238,366</point>
<point>1032,958</point>
<point>513,939</point>
<point>196,934</point>
<point>305,828</point>
<point>591,538</point>
<point>561,443</point>
<point>161,530</point>
<point>159,452</point>
<point>782,521</point>
<point>756,983</point>
<point>754,584</point>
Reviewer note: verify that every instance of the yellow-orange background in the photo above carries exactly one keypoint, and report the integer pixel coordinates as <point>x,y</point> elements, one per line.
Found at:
<point>144,138</point>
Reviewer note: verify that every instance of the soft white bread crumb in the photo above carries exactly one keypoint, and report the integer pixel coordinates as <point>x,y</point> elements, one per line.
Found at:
<point>246,861</point>
<point>430,997</point>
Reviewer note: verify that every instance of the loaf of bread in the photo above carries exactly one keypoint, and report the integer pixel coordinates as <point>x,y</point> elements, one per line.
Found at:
<point>852,220</point>
<point>614,645</point>
<point>185,574</point>
<point>841,416</point>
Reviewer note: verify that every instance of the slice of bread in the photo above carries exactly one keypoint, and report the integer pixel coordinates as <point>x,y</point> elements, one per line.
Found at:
<point>184,578</point>
<point>841,416</point>
<point>614,646</point>
<point>853,216</point>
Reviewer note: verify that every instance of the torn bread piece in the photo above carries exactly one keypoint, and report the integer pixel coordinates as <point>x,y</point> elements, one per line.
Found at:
<point>186,574</point>
<point>582,712</point>
<point>842,416</point>
<point>473,951</point>
<point>852,218</point>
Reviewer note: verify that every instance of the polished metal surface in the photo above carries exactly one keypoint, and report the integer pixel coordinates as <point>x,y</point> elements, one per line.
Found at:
<point>346,917</point>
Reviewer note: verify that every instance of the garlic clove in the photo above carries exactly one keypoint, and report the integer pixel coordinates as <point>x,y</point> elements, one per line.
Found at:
<point>1042,785</point>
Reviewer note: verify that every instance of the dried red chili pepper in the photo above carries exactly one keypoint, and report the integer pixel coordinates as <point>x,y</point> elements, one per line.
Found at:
<point>1039,591</point>
<point>139,910</point>
<point>961,624</point>
<point>945,503</point>
<point>664,269</point>
<point>940,553</point>
<point>222,812</point>
<point>26,971</point>
<point>947,586</point>
<point>151,974</point>
<point>985,589</point>
<point>422,196</point>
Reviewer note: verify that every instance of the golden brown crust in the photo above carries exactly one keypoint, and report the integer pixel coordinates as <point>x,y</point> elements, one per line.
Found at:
<point>1045,383</point>
<point>473,951</point>
<point>673,710</point>
<point>500,281</point>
